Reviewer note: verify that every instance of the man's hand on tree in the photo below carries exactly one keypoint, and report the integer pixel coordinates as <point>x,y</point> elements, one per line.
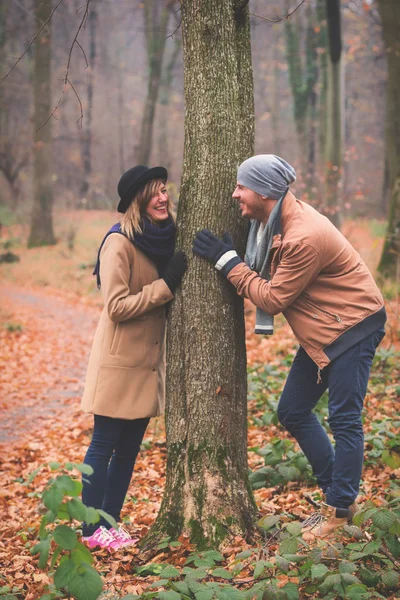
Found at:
<point>219,252</point>
<point>209,246</point>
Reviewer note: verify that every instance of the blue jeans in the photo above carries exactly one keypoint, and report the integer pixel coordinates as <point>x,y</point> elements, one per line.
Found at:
<point>112,454</point>
<point>338,471</point>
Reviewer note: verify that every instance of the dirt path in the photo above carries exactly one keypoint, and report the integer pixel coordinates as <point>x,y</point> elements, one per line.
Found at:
<point>42,365</point>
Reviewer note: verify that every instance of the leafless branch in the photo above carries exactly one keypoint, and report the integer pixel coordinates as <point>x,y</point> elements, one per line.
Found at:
<point>67,80</point>
<point>31,42</point>
<point>284,18</point>
<point>84,54</point>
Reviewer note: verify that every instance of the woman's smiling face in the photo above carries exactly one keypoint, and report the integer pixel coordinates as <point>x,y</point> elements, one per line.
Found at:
<point>157,208</point>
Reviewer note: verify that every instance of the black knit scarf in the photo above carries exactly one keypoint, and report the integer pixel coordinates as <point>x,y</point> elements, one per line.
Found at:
<point>157,242</point>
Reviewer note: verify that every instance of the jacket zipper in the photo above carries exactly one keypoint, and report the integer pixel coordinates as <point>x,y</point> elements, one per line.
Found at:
<point>336,317</point>
<point>319,378</point>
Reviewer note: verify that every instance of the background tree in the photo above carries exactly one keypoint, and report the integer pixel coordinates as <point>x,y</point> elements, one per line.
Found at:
<point>303,79</point>
<point>156,17</point>
<point>334,130</point>
<point>41,232</point>
<point>207,492</point>
<point>390,15</point>
<point>88,118</point>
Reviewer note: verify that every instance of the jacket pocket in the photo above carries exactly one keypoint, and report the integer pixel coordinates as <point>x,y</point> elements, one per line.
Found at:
<point>115,339</point>
<point>129,341</point>
<point>320,313</point>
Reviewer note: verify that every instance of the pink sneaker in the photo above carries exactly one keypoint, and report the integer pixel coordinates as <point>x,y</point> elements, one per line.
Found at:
<point>102,538</point>
<point>122,537</point>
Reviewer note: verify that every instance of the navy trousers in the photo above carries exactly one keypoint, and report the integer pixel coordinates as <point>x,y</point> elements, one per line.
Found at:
<point>337,469</point>
<point>112,454</point>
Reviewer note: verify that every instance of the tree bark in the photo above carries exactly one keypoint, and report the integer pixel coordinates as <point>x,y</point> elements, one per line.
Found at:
<point>207,493</point>
<point>41,232</point>
<point>334,130</point>
<point>156,22</point>
<point>390,16</point>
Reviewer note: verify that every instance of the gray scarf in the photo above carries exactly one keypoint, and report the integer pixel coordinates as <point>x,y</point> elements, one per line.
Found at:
<point>257,258</point>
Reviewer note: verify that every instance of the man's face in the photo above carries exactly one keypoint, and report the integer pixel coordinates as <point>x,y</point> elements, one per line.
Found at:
<point>251,204</point>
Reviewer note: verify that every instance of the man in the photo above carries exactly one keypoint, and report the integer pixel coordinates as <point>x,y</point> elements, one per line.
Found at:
<point>297,263</point>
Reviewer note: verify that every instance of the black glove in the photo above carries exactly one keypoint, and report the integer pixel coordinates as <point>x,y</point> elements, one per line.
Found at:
<point>175,270</point>
<point>209,246</point>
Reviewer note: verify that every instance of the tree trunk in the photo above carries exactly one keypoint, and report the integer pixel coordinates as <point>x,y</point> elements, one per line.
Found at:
<point>207,493</point>
<point>334,133</point>
<point>41,232</point>
<point>87,130</point>
<point>156,22</point>
<point>390,15</point>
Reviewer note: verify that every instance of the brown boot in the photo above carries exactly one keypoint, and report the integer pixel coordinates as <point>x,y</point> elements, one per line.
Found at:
<point>324,523</point>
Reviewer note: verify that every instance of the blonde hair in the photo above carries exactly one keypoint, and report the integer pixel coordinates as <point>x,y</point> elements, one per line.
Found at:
<point>131,219</point>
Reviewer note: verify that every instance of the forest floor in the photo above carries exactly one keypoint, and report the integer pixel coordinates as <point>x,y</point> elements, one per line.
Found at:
<point>49,310</point>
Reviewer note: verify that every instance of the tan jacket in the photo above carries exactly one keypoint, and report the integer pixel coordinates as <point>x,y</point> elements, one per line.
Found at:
<point>126,372</point>
<point>318,280</point>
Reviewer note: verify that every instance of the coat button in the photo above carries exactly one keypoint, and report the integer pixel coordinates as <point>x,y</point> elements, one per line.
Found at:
<point>153,369</point>
<point>156,343</point>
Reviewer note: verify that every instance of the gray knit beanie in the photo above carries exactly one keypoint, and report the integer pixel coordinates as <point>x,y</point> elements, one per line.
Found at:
<point>266,174</point>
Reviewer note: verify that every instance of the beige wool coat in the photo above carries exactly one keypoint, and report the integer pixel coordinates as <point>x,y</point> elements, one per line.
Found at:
<point>126,371</point>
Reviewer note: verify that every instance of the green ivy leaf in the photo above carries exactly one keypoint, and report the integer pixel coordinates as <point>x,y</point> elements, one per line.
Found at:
<point>76,509</point>
<point>52,498</point>
<point>347,567</point>
<point>181,587</point>
<point>223,573</point>
<point>383,519</point>
<point>259,568</point>
<point>230,593</point>
<point>81,554</point>
<point>42,547</point>
<point>282,564</point>
<point>68,485</point>
<point>170,595</point>
<point>85,469</point>
<point>348,578</point>
<point>268,522</point>
<point>244,554</point>
<point>370,578</point>
<point>391,457</point>
<point>318,571</point>
<point>390,579</point>
<point>294,529</point>
<point>64,574</point>
<point>292,590</point>
<point>329,583</point>
<point>65,537</point>
<point>86,583</point>
<point>357,591</point>
<point>289,546</point>
<point>108,518</point>
<point>54,465</point>
<point>92,515</point>
<point>273,593</point>
<point>170,572</point>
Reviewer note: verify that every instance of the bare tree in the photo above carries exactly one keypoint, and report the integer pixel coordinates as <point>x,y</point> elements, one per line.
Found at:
<point>41,232</point>
<point>156,17</point>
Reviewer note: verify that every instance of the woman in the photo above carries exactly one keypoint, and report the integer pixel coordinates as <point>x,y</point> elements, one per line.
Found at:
<point>125,385</point>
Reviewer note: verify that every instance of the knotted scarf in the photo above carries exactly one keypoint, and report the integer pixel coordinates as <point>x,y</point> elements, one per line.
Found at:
<point>157,242</point>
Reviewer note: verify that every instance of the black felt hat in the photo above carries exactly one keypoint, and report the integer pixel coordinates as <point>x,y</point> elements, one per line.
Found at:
<point>134,179</point>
